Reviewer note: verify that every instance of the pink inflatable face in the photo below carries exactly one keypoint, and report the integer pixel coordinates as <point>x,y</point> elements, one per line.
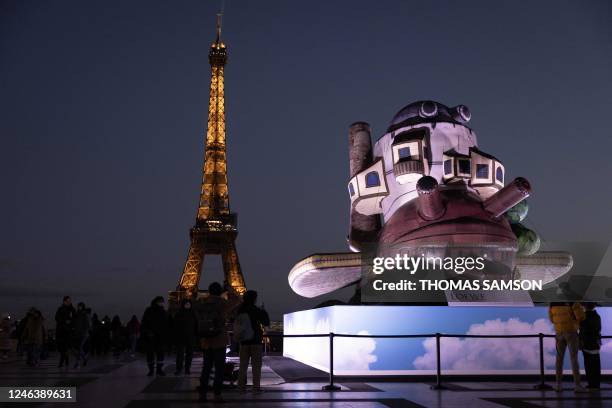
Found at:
<point>462,220</point>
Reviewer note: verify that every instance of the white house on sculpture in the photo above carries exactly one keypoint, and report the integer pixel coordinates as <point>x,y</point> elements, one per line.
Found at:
<point>424,139</point>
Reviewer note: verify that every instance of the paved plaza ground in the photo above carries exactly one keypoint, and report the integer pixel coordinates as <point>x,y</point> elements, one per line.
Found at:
<point>121,382</point>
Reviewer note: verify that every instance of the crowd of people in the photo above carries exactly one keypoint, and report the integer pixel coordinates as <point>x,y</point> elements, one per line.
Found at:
<point>207,326</point>
<point>84,334</point>
<point>577,326</point>
<point>76,333</point>
<point>204,325</point>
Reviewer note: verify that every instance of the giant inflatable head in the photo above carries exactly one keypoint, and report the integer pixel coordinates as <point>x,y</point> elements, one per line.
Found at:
<point>426,188</point>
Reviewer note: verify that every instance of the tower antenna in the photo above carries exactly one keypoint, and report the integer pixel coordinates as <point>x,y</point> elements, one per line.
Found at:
<point>219,17</point>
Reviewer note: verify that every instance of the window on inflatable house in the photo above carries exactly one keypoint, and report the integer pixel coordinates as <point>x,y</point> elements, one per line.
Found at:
<point>448,167</point>
<point>499,175</point>
<point>351,189</point>
<point>464,166</point>
<point>404,153</point>
<point>482,171</point>
<point>372,179</point>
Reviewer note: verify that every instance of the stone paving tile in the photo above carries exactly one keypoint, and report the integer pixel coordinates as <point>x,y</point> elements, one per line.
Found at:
<point>121,382</point>
<point>493,394</point>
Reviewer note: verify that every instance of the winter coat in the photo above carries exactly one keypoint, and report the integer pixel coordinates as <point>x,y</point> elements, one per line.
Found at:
<point>224,308</point>
<point>565,318</point>
<point>21,326</point>
<point>185,325</point>
<point>81,325</point>
<point>34,331</point>
<point>154,324</point>
<point>590,331</point>
<point>64,320</point>
<point>133,328</point>
<point>259,318</point>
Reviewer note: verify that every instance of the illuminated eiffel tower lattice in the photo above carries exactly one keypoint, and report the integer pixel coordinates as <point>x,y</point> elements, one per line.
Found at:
<point>215,229</point>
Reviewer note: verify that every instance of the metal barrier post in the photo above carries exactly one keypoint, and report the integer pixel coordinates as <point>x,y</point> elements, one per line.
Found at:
<point>542,385</point>
<point>331,386</point>
<point>438,385</point>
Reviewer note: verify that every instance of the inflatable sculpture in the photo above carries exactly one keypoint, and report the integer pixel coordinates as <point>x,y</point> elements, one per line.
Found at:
<point>425,187</point>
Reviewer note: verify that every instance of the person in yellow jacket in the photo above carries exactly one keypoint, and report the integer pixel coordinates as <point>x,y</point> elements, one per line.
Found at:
<point>566,318</point>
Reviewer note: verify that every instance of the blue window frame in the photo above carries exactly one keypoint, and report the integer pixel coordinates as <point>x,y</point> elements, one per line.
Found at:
<point>482,171</point>
<point>372,179</point>
<point>448,167</point>
<point>464,166</point>
<point>404,153</point>
<point>351,189</point>
<point>499,175</point>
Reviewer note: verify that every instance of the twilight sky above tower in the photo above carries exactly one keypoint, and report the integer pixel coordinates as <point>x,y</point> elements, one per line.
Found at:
<point>103,116</point>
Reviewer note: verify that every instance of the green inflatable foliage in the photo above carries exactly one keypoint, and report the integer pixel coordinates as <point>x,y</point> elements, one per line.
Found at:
<point>518,213</point>
<point>528,240</point>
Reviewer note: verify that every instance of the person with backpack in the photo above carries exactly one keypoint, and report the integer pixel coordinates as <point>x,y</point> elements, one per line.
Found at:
<point>185,332</point>
<point>212,318</point>
<point>248,330</point>
<point>590,343</point>
<point>566,318</point>
<point>154,330</point>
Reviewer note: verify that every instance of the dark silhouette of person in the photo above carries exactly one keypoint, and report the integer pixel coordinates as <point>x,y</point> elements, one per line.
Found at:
<point>251,349</point>
<point>6,329</point>
<point>105,334</point>
<point>80,334</point>
<point>20,327</point>
<point>185,326</point>
<point>117,335</point>
<point>590,344</point>
<point>212,320</point>
<point>96,335</point>
<point>34,336</point>
<point>63,329</point>
<point>154,331</point>
<point>133,332</point>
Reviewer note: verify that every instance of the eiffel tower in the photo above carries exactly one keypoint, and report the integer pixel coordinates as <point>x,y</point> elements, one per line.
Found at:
<point>215,229</point>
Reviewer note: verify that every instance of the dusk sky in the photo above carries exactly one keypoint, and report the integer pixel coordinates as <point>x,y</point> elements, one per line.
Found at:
<point>103,108</point>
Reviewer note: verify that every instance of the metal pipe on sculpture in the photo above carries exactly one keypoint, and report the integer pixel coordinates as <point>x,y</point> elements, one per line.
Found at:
<point>508,197</point>
<point>362,228</point>
<point>431,205</point>
<point>360,147</point>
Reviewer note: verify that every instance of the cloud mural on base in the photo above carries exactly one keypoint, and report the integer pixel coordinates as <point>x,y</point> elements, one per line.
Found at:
<point>491,354</point>
<point>606,348</point>
<point>354,353</point>
<point>349,353</point>
<point>405,356</point>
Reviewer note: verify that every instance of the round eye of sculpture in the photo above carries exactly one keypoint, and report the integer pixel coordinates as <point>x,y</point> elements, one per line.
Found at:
<point>463,113</point>
<point>428,109</point>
